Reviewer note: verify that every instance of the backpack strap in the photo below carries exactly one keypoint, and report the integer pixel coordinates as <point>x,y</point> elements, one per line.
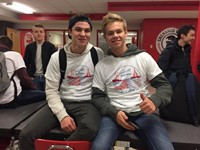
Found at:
<point>94,55</point>
<point>63,61</point>
<point>15,85</point>
<point>63,64</point>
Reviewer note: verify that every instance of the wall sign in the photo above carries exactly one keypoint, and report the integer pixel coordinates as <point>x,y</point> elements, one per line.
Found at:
<point>28,38</point>
<point>164,37</point>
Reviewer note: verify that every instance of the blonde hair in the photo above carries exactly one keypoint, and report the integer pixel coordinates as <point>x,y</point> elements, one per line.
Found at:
<point>111,17</point>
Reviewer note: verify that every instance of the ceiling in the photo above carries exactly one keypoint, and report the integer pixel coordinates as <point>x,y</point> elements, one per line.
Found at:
<point>134,11</point>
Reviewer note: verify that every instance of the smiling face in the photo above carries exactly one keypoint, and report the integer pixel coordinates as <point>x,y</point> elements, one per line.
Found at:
<point>187,39</point>
<point>80,34</point>
<point>115,34</point>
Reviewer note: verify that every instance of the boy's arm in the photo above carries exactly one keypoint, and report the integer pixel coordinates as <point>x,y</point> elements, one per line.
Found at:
<point>102,102</point>
<point>54,101</point>
<point>164,91</point>
<point>25,80</point>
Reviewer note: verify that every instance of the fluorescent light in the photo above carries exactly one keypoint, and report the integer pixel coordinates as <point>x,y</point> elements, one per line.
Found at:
<point>19,7</point>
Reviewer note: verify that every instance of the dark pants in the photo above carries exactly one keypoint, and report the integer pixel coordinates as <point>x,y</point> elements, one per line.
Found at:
<point>178,109</point>
<point>86,116</point>
<point>26,97</point>
<point>39,81</point>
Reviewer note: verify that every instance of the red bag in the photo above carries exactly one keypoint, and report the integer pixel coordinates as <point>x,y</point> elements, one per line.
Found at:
<point>42,144</point>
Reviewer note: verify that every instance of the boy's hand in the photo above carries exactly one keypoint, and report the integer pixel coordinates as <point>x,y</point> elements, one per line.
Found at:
<point>67,124</point>
<point>147,106</point>
<point>122,120</point>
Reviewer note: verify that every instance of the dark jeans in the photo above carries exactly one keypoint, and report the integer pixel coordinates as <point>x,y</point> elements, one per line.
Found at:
<point>86,116</point>
<point>39,81</point>
<point>26,97</point>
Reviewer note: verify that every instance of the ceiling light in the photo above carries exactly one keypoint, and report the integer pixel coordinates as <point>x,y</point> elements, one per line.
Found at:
<point>19,7</point>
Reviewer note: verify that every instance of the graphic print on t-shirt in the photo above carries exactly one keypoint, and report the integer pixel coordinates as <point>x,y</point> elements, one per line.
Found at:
<point>79,75</point>
<point>126,79</point>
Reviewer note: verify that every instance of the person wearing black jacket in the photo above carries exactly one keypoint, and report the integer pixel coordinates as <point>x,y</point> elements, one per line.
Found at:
<point>176,56</point>
<point>37,55</point>
<point>175,61</point>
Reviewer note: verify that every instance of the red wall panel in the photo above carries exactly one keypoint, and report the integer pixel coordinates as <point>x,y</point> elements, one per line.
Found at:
<point>26,38</point>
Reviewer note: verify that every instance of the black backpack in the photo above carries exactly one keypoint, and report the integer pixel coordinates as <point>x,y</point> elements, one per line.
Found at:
<point>185,101</point>
<point>63,61</point>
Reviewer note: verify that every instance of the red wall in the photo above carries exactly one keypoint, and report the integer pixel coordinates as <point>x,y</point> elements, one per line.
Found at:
<point>26,38</point>
<point>151,28</point>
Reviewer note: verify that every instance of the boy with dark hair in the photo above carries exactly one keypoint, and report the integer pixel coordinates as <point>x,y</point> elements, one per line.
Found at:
<point>176,56</point>
<point>175,61</point>
<point>69,104</point>
<point>6,41</point>
<point>21,90</point>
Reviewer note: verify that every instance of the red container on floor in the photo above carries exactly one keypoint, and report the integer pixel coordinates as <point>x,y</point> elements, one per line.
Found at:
<point>42,144</point>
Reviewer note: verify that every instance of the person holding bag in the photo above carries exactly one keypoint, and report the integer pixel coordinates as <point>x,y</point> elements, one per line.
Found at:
<point>176,65</point>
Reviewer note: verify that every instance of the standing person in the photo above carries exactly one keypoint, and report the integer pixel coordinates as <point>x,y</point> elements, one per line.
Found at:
<point>70,107</point>
<point>120,91</point>
<point>175,62</point>
<point>37,55</point>
<point>21,90</point>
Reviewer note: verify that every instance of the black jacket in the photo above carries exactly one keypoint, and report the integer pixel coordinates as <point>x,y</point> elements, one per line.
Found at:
<point>30,54</point>
<point>173,59</point>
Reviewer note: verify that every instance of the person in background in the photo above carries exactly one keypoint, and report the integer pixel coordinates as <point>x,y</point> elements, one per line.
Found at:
<point>176,56</point>
<point>69,104</point>
<point>21,91</point>
<point>120,91</point>
<point>37,55</point>
<point>175,61</point>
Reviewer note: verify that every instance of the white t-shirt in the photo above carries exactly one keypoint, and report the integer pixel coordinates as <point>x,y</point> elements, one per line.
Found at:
<point>124,78</point>
<point>78,79</point>
<point>14,61</point>
<point>38,60</point>
<point>76,85</point>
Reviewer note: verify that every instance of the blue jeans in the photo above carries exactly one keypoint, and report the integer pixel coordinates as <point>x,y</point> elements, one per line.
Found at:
<point>26,97</point>
<point>107,134</point>
<point>39,81</point>
<point>151,132</point>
